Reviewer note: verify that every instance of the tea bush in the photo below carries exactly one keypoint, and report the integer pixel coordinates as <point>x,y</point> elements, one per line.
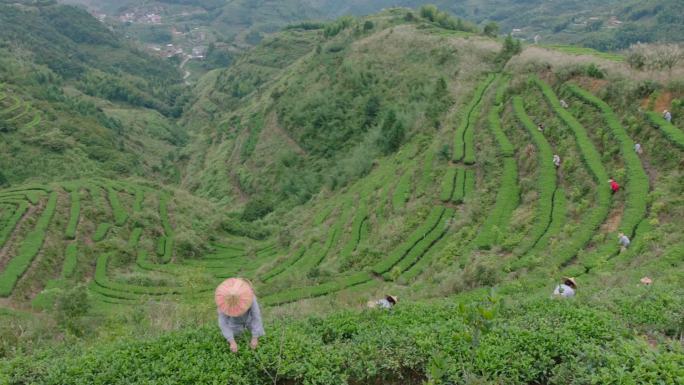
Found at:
<point>546,180</point>
<point>29,248</point>
<point>540,341</point>
<point>637,184</point>
<point>672,133</point>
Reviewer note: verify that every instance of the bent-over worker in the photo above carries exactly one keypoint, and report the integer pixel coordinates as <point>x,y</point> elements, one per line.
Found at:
<point>238,310</point>
<point>566,289</point>
<point>624,241</point>
<point>385,303</point>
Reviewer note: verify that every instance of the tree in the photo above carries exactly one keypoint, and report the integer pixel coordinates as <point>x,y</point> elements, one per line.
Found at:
<point>667,56</point>
<point>392,133</point>
<point>372,111</point>
<point>491,29</point>
<point>3,180</point>
<point>429,12</point>
<point>511,47</point>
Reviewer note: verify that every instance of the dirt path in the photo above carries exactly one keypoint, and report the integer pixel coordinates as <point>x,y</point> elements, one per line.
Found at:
<point>187,73</point>
<point>612,223</point>
<point>5,251</point>
<point>272,122</point>
<point>232,166</point>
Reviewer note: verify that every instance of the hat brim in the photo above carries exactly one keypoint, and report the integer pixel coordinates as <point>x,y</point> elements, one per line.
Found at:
<point>234,297</point>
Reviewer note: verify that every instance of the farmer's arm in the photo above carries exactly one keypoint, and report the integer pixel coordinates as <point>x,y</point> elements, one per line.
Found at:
<point>226,330</point>
<point>256,326</point>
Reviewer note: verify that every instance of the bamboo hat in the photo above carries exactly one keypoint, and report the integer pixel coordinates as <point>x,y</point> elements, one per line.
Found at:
<point>571,280</point>
<point>234,297</point>
<point>393,298</point>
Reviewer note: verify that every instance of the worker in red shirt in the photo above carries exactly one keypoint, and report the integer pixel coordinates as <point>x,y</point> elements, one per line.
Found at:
<point>614,186</point>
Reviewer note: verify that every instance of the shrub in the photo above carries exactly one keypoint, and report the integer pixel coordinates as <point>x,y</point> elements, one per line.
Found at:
<point>396,255</point>
<point>12,222</point>
<point>257,208</point>
<point>134,239</point>
<point>536,342</point>
<point>70,307</point>
<point>28,249</point>
<point>70,260</point>
<point>392,132</point>
<point>507,199</point>
<point>120,215</point>
<point>427,178</point>
<point>101,231</point>
<point>360,219</point>
<point>70,232</point>
<point>448,184</point>
<point>459,188</point>
<point>402,191</point>
<point>464,145</point>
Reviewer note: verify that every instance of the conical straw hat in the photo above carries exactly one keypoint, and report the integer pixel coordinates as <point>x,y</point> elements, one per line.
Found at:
<point>234,297</point>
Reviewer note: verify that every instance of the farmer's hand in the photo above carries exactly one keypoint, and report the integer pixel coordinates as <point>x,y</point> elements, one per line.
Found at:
<point>233,346</point>
<point>254,343</point>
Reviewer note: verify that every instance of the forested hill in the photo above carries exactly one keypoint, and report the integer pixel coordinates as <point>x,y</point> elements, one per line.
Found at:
<point>600,24</point>
<point>68,86</point>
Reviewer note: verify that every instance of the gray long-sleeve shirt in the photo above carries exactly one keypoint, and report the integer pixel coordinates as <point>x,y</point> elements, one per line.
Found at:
<point>234,326</point>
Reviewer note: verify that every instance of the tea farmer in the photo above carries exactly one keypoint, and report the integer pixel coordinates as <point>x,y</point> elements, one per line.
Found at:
<point>638,149</point>
<point>624,241</point>
<point>238,310</point>
<point>563,103</point>
<point>566,289</point>
<point>614,186</point>
<point>385,303</point>
<point>667,115</point>
<point>556,160</point>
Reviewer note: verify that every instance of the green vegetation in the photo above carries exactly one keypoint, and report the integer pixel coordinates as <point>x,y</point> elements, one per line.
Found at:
<point>459,187</point>
<point>75,213</point>
<point>29,248</point>
<point>592,160</point>
<point>401,251</point>
<point>637,185</point>
<point>70,261</point>
<point>12,221</point>
<point>464,140</point>
<point>546,180</point>
<point>464,340</point>
<point>672,133</point>
<point>101,232</point>
<point>319,165</point>
<point>448,184</point>
<point>402,191</point>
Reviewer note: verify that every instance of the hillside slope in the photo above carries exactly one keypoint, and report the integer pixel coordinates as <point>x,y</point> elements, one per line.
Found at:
<point>69,89</point>
<point>373,156</point>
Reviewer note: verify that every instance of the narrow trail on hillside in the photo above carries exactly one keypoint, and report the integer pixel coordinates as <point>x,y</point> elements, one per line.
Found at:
<point>187,73</point>
<point>232,174</point>
<point>272,122</point>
